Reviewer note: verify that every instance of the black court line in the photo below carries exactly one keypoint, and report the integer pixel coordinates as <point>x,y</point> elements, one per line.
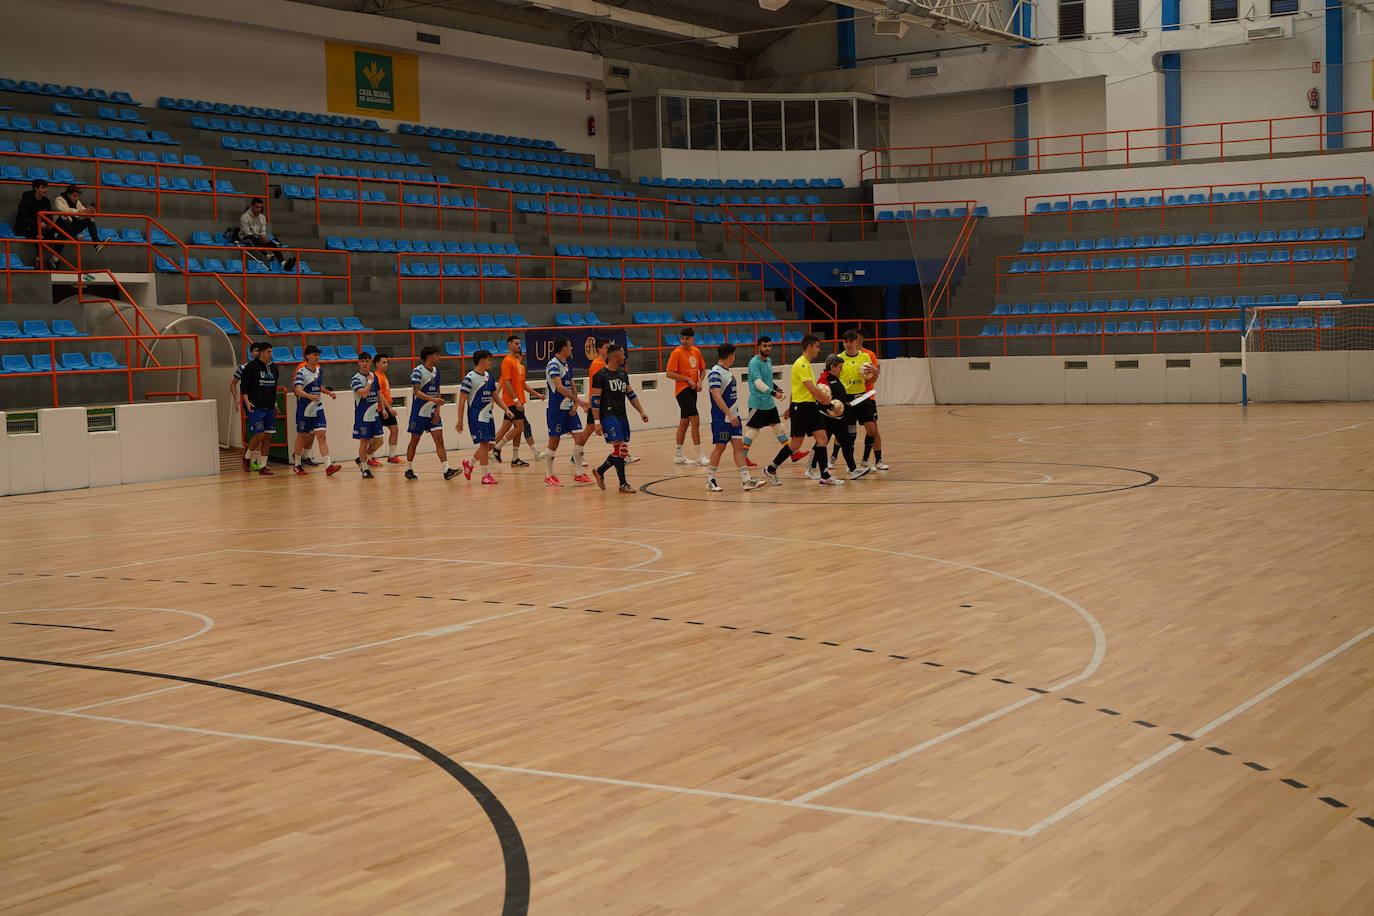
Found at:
<point>513,854</point>
<point>1150,479</point>
<point>1143,723</point>
<point>64,626</point>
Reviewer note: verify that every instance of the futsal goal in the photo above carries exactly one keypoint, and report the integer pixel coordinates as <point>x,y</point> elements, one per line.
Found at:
<point>1313,351</point>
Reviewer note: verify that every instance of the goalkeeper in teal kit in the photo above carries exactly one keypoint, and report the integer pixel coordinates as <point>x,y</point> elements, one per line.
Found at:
<point>763,397</point>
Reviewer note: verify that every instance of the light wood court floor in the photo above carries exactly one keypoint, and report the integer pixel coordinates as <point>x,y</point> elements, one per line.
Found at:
<point>1057,660</point>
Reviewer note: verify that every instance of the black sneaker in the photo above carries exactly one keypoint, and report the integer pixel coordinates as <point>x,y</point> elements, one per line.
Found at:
<point>367,473</point>
<point>496,453</point>
<point>451,473</point>
<point>411,475</point>
<point>519,463</point>
<point>290,265</point>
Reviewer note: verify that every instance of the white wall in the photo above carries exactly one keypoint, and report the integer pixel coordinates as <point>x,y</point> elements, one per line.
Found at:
<point>1005,195</point>
<point>962,118</point>
<point>162,441</point>
<point>271,53</point>
<point>826,163</point>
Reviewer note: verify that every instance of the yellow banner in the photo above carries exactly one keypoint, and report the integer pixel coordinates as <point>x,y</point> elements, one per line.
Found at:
<point>371,83</point>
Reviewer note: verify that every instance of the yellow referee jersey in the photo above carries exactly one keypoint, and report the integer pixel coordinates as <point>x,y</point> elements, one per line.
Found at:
<point>801,374</point>
<point>851,376</point>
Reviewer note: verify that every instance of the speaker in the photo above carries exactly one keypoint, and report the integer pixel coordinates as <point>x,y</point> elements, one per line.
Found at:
<point>889,25</point>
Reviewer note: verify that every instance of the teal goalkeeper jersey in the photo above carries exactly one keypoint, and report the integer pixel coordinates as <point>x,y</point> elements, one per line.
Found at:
<point>761,370</point>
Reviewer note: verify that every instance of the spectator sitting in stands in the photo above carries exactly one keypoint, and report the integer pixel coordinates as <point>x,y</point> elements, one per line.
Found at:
<point>31,203</point>
<point>253,233</point>
<point>69,202</point>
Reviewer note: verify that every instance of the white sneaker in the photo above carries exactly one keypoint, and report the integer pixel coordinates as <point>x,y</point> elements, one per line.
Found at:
<point>771,477</point>
<point>682,459</point>
<point>830,482</point>
<point>881,465</point>
<point>860,471</point>
<point>712,485</point>
<point>540,454</point>
<point>753,483</point>
<point>813,473</point>
<point>704,461</point>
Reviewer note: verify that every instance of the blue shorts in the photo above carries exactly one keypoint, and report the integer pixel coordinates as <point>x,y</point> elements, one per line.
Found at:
<point>262,420</point>
<point>724,432</point>
<point>561,423</point>
<point>419,425</point>
<point>367,429</point>
<point>482,431</point>
<point>615,429</point>
<point>305,424</point>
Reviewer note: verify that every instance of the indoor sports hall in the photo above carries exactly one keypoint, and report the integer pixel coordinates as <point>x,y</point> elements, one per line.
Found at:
<point>694,458</point>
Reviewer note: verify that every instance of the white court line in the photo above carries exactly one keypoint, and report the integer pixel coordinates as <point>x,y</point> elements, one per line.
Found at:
<point>1220,720</point>
<point>374,556</point>
<point>1330,431</point>
<point>206,731</point>
<point>207,623</point>
<point>83,572</point>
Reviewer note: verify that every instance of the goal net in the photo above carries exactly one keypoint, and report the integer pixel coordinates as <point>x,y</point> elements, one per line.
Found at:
<point>1315,351</point>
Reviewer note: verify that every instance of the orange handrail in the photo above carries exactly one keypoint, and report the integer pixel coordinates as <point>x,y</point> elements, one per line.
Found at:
<point>733,231</point>
<point>1030,154</point>
<point>483,277</point>
<point>129,369</point>
<point>636,202</point>
<point>438,206</point>
<point>943,287</point>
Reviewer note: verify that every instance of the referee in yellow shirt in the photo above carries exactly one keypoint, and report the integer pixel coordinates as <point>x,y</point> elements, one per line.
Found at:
<point>807,418</point>
<point>855,382</point>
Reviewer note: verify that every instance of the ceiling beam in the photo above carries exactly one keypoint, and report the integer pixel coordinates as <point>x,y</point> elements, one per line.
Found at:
<point>987,21</point>
<point>644,22</point>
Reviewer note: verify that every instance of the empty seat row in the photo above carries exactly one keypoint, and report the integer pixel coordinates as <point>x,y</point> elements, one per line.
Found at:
<point>231,266</point>
<point>559,208</point>
<point>1178,261</point>
<point>68,92</point>
<point>936,213</point>
<point>1189,240</point>
<point>37,328</point>
<point>164,183</point>
<point>673,340</point>
<point>726,317</point>
<point>156,236</point>
<point>12,363</point>
<point>348,195</point>
<point>323,134</point>
<point>338,354</point>
<point>814,216</point>
<point>739,200</point>
<point>347,324</point>
<point>521,168</point>
<point>454,271</point>
<point>105,112</point>
<point>79,151</point>
<point>534,187</point>
<point>91,131</point>
<point>444,146</point>
<point>468,349</point>
<point>426,246</point>
<point>273,114</point>
<point>469,322</point>
<point>1160,304</point>
<point>446,133</point>
<point>659,273</point>
<point>743,183</point>
<point>577,319</point>
<point>1196,326</point>
<point>617,251</point>
<point>1194,200</point>
<point>283,148</point>
<point>313,169</point>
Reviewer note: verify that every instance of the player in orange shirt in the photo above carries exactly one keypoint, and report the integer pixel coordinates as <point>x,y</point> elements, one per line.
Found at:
<point>512,390</point>
<point>385,408</point>
<point>687,368</point>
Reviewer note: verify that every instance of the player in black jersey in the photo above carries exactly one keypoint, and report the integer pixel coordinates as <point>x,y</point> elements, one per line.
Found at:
<point>610,388</point>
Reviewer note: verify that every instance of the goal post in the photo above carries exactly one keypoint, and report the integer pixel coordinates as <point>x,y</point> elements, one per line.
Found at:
<point>1313,351</point>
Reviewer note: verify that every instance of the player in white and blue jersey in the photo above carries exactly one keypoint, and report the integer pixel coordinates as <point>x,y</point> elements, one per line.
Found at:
<point>310,390</point>
<point>562,410</point>
<point>476,402</point>
<point>726,426</point>
<point>367,420</point>
<point>425,404</point>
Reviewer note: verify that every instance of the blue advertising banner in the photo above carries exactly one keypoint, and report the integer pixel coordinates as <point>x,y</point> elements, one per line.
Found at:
<point>539,346</point>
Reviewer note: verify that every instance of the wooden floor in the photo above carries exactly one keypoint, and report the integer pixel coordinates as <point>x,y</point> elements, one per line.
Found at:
<point>1057,660</point>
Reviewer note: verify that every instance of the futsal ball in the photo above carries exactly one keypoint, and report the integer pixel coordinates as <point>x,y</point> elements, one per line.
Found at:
<point>835,408</point>
<point>868,370</point>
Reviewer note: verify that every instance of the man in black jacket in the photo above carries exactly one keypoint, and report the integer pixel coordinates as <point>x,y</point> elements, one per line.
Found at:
<point>258,389</point>
<point>837,424</point>
<point>31,203</point>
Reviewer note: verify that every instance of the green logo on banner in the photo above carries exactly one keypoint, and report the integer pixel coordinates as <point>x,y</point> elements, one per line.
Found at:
<point>373,77</point>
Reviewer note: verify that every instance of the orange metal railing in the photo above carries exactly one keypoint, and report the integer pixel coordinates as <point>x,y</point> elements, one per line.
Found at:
<point>448,214</point>
<point>131,344</point>
<point>607,221</point>
<point>1223,140</point>
<point>449,266</point>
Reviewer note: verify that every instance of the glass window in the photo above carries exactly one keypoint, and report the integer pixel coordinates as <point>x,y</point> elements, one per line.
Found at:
<point>1223,10</point>
<point>703,113</point>
<point>767,127</point>
<point>868,125</point>
<point>734,124</point>
<point>836,121</point>
<point>674,113</point>
<point>800,124</point>
<point>1282,7</point>
<point>1125,16</point>
<point>644,123</point>
<point>1071,23</point>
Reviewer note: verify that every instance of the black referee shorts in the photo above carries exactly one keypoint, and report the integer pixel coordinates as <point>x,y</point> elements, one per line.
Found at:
<point>807,419</point>
<point>687,402</point>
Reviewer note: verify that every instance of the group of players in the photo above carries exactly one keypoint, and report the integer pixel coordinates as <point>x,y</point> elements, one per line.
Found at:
<point>827,410</point>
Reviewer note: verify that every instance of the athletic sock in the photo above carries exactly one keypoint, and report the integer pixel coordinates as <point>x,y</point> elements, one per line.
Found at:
<point>620,470</point>
<point>515,453</point>
<point>678,453</point>
<point>327,461</point>
<point>821,459</point>
<point>777,431</point>
<point>578,451</point>
<point>444,464</point>
<point>711,473</point>
<point>604,466</point>
<point>295,459</point>
<point>410,466</point>
<point>744,474</point>
<point>868,448</point>
<point>878,454</point>
<point>784,453</point>
<point>748,440</point>
<point>548,463</point>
